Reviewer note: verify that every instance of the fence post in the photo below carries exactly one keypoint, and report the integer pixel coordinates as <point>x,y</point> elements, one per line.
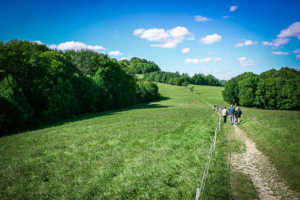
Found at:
<point>198,194</point>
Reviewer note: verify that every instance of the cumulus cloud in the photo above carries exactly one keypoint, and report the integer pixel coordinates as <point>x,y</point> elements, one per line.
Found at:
<point>298,57</point>
<point>199,61</point>
<point>78,46</point>
<point>297,51</point>
<point>37,42</point>
<point>124,58</point>
<point>223,70</point>
<point>233,8</point>
<point>204,70</point>
<point>138,31</point>
<point>185,50</point>
<point>115,53</point>
<point>168,39</point>
<point>209,39</point>
<point>276,42</point>
<point>199,18</point>
<point>291,31</point>
<point>246,43</point>
<point>218,59</point>
<point>52,46</point>
<point>226,16</point>
<point>280,53</point>
<point>244,62</point>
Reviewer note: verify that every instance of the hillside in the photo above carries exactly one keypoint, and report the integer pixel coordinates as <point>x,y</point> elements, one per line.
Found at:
<point>155,150</point>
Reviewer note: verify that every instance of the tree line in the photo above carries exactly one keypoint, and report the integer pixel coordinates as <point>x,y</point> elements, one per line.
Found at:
<point>141,66</point>
<point>40,86</point>
<point>183,79</point>
<point>273,89</point>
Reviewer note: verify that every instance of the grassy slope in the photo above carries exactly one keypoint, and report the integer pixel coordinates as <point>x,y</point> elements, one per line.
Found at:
<point>155,150</point>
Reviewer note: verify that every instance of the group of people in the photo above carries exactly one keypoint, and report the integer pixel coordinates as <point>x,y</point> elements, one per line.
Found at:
<point>234,114</point>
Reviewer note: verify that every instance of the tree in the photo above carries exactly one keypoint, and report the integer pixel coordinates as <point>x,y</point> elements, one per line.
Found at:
<point>185,83</point>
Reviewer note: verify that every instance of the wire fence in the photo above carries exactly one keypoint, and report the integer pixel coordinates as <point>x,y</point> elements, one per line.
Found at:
<point>200,191</point>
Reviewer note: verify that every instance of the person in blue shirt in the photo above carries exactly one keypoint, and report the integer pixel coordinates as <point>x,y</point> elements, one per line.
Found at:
<point>231,112</point>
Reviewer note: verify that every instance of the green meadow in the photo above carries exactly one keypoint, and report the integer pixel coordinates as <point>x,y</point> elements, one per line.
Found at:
<point>156,150</point>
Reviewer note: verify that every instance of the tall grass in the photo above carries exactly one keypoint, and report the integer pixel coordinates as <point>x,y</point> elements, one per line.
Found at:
<point>148,151</point>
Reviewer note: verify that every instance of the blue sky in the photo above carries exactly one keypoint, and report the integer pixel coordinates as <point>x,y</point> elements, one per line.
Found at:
<point>222,38</point>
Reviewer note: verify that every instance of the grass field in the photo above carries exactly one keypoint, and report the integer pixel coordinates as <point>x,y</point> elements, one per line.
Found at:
<point>148,151</point>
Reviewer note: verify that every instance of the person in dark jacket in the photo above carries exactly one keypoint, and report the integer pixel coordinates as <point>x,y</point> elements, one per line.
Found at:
<point>238,114</point>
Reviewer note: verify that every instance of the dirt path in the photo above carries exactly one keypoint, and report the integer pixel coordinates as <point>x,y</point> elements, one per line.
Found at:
<point>265,177</point>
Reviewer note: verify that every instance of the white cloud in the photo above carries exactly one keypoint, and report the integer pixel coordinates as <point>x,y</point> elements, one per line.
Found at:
<point>124,58</point>
<point>280,53</point>
<point>77,46</point>
<point>199,61</point>
<point>185,50</point>
<point>233,8</point>
<point>209,39</point>
<point>204,70</point>
<point>298,57</point>
<point>246,43</point>
<point>115,53</point>
<point>95,48</point>
<point>244,62</point>
<point>223,70</point>
<point>37,42</point>
<point>138,31</point>
<point>276,42</point>
<point>249,42</point>
<point>199,18</point>
<point>227,16</point>
<point>297,51</point>
<point>227,52</point>
<point>168,39</point>
<point>190,38</point>
<point>292,30</point>
<point>52,46</point>
<point>239,45</point>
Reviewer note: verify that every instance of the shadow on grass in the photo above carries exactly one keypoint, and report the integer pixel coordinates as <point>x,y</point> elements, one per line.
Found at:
<point>87,116</point>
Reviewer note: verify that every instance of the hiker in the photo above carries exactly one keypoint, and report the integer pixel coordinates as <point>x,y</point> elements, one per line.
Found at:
<point>222,108</point>
<point>238,114</point>
<point>224,113</point>
<point>217,108</point>
<point>231,111</point>
<point>214,108</point>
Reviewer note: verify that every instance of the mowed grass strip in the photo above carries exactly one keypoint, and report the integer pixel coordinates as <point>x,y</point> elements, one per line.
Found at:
<point>148,151</point>
<point>276,134</point>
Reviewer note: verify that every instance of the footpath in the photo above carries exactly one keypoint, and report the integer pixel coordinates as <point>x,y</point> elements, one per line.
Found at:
<point>266,180</point>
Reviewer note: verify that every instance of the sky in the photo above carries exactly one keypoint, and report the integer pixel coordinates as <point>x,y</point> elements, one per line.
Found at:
<point>222,38</point>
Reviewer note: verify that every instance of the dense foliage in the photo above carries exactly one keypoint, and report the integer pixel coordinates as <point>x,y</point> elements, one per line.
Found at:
<point>39,85</point>
<point>183,79</point>
<point>273,89</point>
<point>142,66</point>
